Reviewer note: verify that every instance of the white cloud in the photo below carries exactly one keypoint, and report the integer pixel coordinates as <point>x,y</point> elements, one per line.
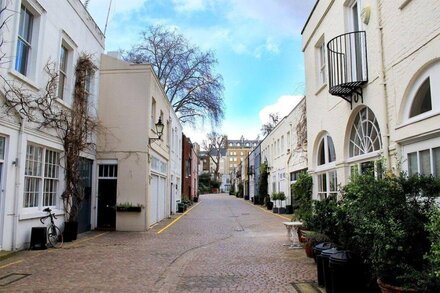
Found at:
<point>183,6</point>
<point>282,106</point>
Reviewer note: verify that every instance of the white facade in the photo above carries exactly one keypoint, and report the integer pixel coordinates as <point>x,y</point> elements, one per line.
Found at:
<point>129,142</point>
<point>175,161</point>
<point>285,151</point>
<point>51,28</point>
<point>397,125</point>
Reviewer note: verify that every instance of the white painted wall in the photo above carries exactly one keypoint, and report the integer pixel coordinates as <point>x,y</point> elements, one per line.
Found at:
<point>175,161</point>
<point>54,22</point>
<point>411,42</point>
<point>282,153</point>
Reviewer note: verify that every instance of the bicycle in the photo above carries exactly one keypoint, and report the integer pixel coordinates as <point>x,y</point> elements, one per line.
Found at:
<point>54,235</point>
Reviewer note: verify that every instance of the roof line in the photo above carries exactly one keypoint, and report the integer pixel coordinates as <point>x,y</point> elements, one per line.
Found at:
<point>310,16</point>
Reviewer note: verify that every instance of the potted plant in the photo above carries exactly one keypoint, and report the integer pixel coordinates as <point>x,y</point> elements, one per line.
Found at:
<point>282,203</point>
<point>311,239</point>
<point>128,207</point>
<point>274,198</point>
<point>268,203</point>
<point>390,218</point>
<point>302,195</point>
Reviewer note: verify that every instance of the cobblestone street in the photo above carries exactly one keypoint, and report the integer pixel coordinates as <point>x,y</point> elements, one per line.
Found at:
<point>223,244</point>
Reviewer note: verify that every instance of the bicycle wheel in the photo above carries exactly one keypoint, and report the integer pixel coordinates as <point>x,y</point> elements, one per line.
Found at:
<point>55,236</point>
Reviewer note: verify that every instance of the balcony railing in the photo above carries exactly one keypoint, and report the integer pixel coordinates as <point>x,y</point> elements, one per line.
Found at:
<point>348,67</point>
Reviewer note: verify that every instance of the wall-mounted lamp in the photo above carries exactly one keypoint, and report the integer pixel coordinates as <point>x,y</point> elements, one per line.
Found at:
<point>159,131</point>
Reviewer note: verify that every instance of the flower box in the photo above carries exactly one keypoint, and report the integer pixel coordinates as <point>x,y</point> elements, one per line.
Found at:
<point>129,209</point>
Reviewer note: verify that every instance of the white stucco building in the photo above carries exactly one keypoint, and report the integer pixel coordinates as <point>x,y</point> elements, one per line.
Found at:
<point>175,161</point>
<point>31,176</point>
<point>372,87</point>
<point>285,151</point>
<point>132,101</point>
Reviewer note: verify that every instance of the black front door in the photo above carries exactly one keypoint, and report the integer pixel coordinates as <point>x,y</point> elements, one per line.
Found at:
<point>106,204</point>
<point>85,212</point>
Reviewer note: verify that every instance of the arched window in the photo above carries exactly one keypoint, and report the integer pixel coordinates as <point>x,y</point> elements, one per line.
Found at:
<point>326,151</point>
<point>422,100</point>
<point>365,134</point>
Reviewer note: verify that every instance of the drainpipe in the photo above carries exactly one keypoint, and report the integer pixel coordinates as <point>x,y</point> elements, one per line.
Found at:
<point>386,135</point>
<point>17,183</point>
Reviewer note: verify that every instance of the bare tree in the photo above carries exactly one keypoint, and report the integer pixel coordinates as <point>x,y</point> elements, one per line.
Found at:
<point>3,21</point>
<point>75,127</point>
<point>269,126</point>
<point>186,73</point>
<point>214,145</point>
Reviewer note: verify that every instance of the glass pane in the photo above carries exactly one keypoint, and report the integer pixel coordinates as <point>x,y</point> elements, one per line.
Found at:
<point>367,168</point>
<point>333,181</point>
<point>331,150</point>
<point>436,160</point>
<point>2,148</point>
<point>321,153</point>
<point>412,164</point>
<point>22,56</point>
<point>425,162</point>
<point>422,100</point>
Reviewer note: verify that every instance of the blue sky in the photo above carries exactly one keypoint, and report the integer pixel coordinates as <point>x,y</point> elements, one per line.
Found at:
<point>257,44</point>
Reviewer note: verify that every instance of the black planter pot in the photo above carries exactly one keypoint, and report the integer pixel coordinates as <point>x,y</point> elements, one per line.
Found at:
<point>289,209</point>
<point>281,210</point>
<point>196,199</point>
<point>70,231</point>
<point>246,197</point>
<point>275,210</point>
<point>269,205</point>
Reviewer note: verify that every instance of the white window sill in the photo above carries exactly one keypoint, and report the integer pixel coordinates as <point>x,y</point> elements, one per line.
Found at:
<point>320,89</point>
<point>38,214</point>
<point>24,79</point>
<point>63,103</point>
<point>418,118</point>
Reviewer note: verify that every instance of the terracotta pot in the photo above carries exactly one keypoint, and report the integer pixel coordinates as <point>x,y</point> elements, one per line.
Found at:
<point>308,247</point>
<point>387,288</point>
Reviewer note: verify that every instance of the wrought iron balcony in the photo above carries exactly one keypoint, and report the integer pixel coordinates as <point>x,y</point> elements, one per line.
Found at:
<point>348,67</point>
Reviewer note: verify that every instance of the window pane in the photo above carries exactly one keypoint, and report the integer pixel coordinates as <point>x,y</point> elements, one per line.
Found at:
<point>436,160</point>
<point>2,148</point>
<point>321,153</point>
<point>412,164</point>
<point>333,181</point>
<point>425,162</point>
<point>331,149</point>
<point>422,100</point>
<point>367,168</point>
<point>22,57</point>
<point>31,191</point>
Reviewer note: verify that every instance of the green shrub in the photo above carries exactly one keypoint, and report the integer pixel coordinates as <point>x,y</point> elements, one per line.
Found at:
<point>388,219</point>
<point>302,194</point>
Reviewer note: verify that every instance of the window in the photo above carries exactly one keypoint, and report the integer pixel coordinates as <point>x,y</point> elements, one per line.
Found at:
<point>153,113</point>
<point>365,134</point>
<point>38,181</point>
<point>2,148</point>
<point>24,41</point>
<point>327,184</point>
<point>63,71</point>
<point>422,100</point>
<point>321,60</point>
<point>326,151</point>
<point>424,162</point>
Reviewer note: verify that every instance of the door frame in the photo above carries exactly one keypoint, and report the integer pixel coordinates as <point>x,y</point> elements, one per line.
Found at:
<point>96,164</point>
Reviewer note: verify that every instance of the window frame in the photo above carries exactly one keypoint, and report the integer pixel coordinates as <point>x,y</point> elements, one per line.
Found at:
<point>23,67</point>
<point>427,145</point>
<point>41,178</point>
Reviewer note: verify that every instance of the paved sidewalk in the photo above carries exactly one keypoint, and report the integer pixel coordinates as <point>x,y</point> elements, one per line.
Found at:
<point>224,244</point>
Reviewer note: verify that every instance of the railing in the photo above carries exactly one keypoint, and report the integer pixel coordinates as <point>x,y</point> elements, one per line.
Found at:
<point>348,68</point>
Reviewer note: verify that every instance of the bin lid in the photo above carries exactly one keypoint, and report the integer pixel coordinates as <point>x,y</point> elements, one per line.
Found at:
<point>327,253</point>
<point>342,257</point>
<point>323,246</point>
